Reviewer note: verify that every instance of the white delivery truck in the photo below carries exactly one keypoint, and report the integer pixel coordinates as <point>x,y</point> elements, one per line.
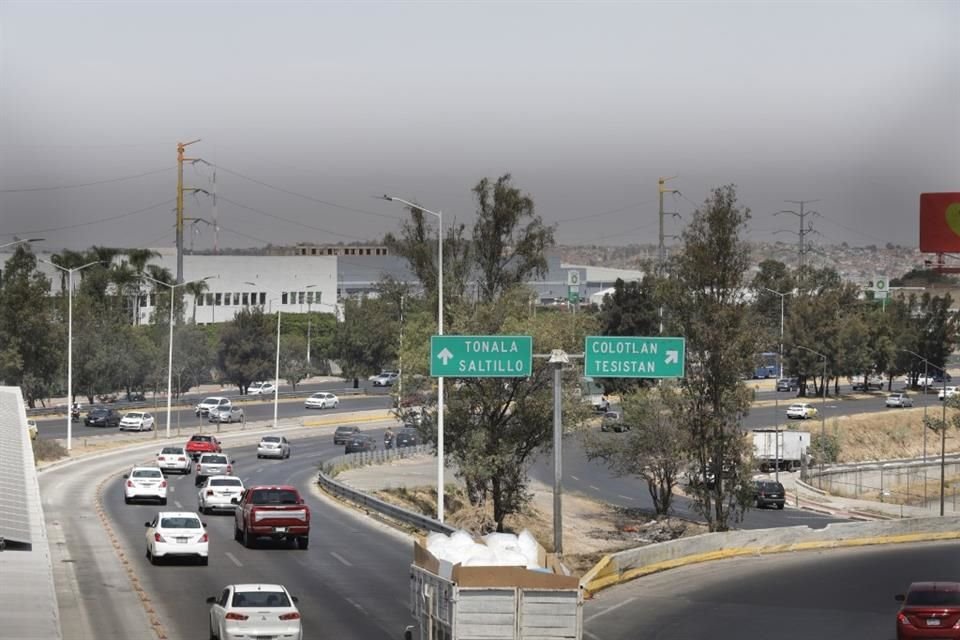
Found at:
<point>456,602</point>
<point>784,449</point>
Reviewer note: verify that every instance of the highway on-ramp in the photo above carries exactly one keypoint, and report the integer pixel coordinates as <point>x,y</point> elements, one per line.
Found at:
<point>829,595</point>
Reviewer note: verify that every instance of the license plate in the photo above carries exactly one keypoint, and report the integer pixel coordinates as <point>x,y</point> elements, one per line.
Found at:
<point>280,529</point>
<point>183,540</point>
<point>933,622</point>
<point>265,637</point>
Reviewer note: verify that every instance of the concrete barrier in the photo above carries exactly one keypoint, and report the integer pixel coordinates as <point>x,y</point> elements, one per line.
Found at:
<point>626,565</point>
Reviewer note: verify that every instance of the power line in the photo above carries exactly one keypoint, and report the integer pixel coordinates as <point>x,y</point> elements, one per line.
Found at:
<point>606,213</point>
<point>289,221</point>
<point>86,184</point>
<point>306,197</point>
<point>91,222</point>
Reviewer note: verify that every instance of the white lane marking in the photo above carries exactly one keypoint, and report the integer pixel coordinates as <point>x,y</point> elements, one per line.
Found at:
<point>591,635</point>
<point>620,495</point>
<point>172,489</point>
<point>609,609</point>
<point>341,559</point>
<point>177,502</point>
<point>575,478</point>
<point>595,487</point>
<point>233,558</point>
<point>356,604</point>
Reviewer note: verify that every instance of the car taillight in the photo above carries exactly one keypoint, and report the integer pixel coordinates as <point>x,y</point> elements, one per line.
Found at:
<point>158,538</point>
<point>163,484</point>
<point>129,483</point>
<point>235,616</point>
<point>204,538</point>
<point>161,458</point>
<point>209,492</point>
<point>199,467</point>
<point>902,619</point>
<point>290,616</point>
<point>181,459</point>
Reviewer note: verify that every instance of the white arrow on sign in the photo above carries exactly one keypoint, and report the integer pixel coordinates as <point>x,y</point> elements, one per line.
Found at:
<point>445,355</point>
<point>672,357</point>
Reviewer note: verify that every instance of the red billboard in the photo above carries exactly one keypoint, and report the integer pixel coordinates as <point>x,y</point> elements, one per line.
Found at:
<point>940,222</point>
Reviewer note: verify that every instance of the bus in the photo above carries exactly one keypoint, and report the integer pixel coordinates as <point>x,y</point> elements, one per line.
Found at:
<point>593,392</point>
<point>767,366</point>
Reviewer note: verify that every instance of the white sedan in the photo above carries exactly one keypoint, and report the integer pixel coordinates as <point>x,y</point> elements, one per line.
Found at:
<point>802,411</point>
<point>946,392</point>
<point>137,421</point>
<point>273,447</point>
<point>218,492</point>
<point>176,533</point>
<point>174,459</point>
<point>254,611</point>
<point>261,388</point>
<point>321,400</point>
<point>145,483</point>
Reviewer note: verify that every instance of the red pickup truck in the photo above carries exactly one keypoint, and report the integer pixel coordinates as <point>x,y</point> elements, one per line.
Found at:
<point>276,512</point>
<point>200,444</point>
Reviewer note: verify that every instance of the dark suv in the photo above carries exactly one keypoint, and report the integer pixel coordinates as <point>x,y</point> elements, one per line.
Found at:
<point>343,434</point>
<point>768,493</point>
<point>788,384</point>
<point>102,417</point>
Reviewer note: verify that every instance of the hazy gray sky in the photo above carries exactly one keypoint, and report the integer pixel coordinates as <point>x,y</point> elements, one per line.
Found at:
<point>856,104</point>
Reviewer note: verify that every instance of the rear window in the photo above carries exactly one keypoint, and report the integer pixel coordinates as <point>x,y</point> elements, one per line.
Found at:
<point>770,486</point>
<point>226,482</point>
<point>180,523</point>
<point>346,429</point>
<point>213,460</point>
<point>172,450</point>
<point>260,599</point>
<point>201,438</point>
<point>147,473</point>
<point>275,496</point>
<point>270,439</point>
<point>933,598</point>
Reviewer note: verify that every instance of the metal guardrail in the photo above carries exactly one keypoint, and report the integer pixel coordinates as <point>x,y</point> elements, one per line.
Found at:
<point>334,466</point>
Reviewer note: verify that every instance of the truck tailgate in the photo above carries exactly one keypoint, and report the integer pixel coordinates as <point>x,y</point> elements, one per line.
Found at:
<point>261,515</point>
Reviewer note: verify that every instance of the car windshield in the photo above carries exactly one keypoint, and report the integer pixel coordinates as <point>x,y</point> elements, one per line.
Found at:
<point>346,429</point>
<point>226,482</point>
<point>213,460</point>
<point>275,496</point>
<point>932,598</point>
<point>147,473</point>
<point>135,416</point>
<point>172,450</point>
<point>270,439</point>
<point>180,523</point>
<point>99,411</point>
<point>260,599</point>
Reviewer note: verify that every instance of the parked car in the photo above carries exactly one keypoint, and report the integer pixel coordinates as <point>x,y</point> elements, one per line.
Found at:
<point>407,437</point>
<point>261,389</point>
<point>872,381</point>
<point>137,421</point>
<point>102,417</point>
<point>199,444</point>
<point>204,407</point>
<point>174,459</point>
<point>385,372</point>
<point>802,411</point>
<point>788,384</point>
<point>385,379</point>
<point>254,611</point>
<point>929,610</point>
<point>613,421</point>
<point>344,433</point>
<point>218,492</point>
<point>212,464</point>
<point>947,392</point>
<point>273,447</point>
<point>322,400</point>
<point>145,483</point>
<point>32,429</point>
<point>900,400</point>
<point>767,493</point>
<point>360,442</point>
<point>177,533</point>
<point>228,414</point>
<point>277,512</point>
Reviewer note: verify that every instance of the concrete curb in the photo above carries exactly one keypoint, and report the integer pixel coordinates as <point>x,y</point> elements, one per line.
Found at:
<point>624,566</point>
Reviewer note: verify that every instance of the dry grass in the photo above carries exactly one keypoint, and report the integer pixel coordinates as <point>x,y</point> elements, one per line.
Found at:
<point>48,450</point>
<point>894,433</point>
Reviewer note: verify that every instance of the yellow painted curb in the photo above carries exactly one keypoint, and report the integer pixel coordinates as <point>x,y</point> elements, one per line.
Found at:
<point>602,576</point>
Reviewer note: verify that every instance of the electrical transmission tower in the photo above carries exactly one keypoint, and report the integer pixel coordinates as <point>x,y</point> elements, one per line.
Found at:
<point>806,228</point>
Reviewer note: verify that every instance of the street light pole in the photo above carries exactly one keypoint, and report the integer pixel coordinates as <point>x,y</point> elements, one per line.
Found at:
<point>69,273</point>
<point>823,407</point>
<point>440,454</point>
<point>276,374</point>
<point>309,304</point>
<point>170,340</point>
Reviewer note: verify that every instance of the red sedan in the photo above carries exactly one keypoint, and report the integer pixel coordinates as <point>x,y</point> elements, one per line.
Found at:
<point>929,610</point>
<point>200,444</point>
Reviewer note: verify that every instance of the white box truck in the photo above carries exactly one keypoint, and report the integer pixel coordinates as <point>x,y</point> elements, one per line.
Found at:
<point>784,448</point>
<point>455,602</point>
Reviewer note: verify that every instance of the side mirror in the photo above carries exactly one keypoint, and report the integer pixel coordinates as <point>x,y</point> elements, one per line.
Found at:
<point>234,500</point>
<point>212,600</point>
<point>126,476</point>
<point>146,524</point>
<point>295,598</point>
<point>899,597</point>
<point>204,524</point>
<point>233,462</point>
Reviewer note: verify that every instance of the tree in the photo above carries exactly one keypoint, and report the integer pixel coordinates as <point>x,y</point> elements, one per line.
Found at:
<point>366,340</point>
<point>246,350</point>
<point>709,307</point>
<point>654,449</point>
<point>30,351</point>
<point>293,359</point>
<point>631,310</point>
<point>196,289</point>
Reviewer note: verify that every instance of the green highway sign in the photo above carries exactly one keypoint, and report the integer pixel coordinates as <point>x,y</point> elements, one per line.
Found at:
<point>481,356</point>
<point>633,357</point>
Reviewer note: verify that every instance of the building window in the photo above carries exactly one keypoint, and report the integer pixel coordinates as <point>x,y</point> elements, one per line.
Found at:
<point>153,299</point>
<point>313,252</point>
<point>236,299</point>
<point>200,300</point>
<point>209,299</point>
<point>263,298</point>
<point>302,297</point>
<point>218,299</point>
<point>246,298</point>
<point>283,298</point>
<point>143,301</point>
<point>368,251</point>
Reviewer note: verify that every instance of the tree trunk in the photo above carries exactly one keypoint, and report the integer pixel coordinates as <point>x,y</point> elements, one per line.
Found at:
<point>498,512</point>
<point>356,383</point>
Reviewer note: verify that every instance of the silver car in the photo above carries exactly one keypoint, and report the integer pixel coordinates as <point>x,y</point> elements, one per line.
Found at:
<point>229,414</point>
<point>273,447</point>
<point>212,464</point>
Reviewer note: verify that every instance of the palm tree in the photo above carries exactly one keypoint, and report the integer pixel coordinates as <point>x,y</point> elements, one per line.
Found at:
<point>138,260</point>
<point>126,280</point>
<point>68,260</point>
<point>196,289</point>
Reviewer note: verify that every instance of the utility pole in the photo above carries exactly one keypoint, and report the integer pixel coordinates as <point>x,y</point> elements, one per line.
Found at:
<point>661,246</point>
<point>805,229</point>
<point>181,146</point>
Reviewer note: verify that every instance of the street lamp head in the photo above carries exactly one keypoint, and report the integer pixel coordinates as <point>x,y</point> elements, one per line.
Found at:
<point>388,198</point>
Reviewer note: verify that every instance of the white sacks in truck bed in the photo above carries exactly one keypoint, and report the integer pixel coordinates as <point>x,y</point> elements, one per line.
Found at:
<point>497,549</point>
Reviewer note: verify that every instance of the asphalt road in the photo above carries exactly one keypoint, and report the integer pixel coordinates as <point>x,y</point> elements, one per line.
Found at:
<point>352,581</point>
<point>254,410</point>
<point>829,594</point>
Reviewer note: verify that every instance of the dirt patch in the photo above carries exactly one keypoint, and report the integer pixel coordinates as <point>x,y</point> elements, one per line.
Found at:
<point>591,529</point>
<point>895,433</point>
